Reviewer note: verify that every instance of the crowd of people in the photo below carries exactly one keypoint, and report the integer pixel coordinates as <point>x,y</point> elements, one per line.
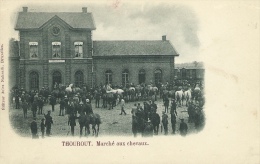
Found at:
<point>145,119</point>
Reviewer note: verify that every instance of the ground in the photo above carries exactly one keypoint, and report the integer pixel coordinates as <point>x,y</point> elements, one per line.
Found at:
<point>113,124</point>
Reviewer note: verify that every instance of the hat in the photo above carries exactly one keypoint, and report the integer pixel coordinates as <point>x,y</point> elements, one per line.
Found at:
<point>87,100</point>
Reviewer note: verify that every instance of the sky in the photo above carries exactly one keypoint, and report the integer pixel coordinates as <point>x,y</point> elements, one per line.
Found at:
<point>138,21</point>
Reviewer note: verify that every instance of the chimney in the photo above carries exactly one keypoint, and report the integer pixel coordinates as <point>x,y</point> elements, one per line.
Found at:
<point>164,38</point>
<point>25,9</point>
<point>84,9</point>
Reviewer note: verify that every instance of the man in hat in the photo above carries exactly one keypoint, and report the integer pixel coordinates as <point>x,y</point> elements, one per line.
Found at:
<point>34,128</point>
<point>72,123</point>
<point>48,123</point>
<point>52,102</point>
<point>62,107</point>
<point>165,122</point>
<point>183,128</point>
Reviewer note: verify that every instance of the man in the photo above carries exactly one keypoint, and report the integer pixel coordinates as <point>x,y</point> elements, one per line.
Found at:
<point>97,96</point>
<point>166,104</point>
<point>48,123</point>
<point>62,107</point>
<point>17,102</point>
<point>40,104</point>
<point>173,121</point>
<point>183,128</point>
<point>122,107</point>
<point>34,129</point>
<point>42,127</point>
<point>34,108</point>
<point>154,107</point>
<point>88,107</point>
<point>52,102</point>
<point>173,107</point>
<point>25,108</point>
<point>165,122</point>
<point>72,123</point>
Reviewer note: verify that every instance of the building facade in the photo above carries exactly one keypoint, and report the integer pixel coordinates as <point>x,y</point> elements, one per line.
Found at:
<point>190,72</point>
<point>57,48</point>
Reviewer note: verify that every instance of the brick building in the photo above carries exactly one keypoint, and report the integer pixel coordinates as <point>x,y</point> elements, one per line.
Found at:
<point>192,72</point>
<point>57,47</point>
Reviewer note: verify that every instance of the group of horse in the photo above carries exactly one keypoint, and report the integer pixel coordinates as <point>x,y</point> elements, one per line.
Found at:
<point>184,94</point>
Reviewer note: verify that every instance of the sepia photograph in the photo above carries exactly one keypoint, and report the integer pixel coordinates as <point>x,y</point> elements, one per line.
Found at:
<point>63,80</point>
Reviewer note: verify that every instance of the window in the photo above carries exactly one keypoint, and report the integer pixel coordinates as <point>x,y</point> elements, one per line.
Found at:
<point>183,73</point>
<point>79,78</point>
<point>125,77</point>
<point>34,80</point>
<point>158,76</point>
<point>56,79</point>
<point>108,77</point>
<point>78,49</point>
<point>141,76</point>
<point>56,49</point>
<point>33,46</point>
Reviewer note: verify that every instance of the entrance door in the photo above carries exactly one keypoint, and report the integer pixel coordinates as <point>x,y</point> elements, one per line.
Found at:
<point>141,76</point>
<point>56,79</point>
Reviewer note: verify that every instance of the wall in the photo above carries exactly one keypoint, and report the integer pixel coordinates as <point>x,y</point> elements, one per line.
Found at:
<point>134,65</point>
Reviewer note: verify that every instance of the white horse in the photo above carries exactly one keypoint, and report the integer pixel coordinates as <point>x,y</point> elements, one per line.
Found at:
<point>179,96</point>
<point>187,96</point>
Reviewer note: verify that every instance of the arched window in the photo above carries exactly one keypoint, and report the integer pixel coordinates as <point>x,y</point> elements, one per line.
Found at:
<point>141,76</point>
<point>56,79</point>
<point>79,79</point>
<point>158,76</point>
<point>125,77</point>
<point>34,80</point>
<point>108,77</point>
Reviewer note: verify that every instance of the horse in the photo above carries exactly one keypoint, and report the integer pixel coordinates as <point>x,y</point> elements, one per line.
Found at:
<point>93,119</point>
<point>187,96</point>
<point>179,96</point>
<point>155,119</point>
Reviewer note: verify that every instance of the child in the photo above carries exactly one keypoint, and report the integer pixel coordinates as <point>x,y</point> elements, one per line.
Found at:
<point>43,127</point>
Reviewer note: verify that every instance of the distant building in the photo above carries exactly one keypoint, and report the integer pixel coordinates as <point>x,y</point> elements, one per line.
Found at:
<point>57,48</point>
<point>191,72</point>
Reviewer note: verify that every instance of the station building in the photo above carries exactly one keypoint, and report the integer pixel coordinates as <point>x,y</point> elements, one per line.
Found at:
<point>57,47</point>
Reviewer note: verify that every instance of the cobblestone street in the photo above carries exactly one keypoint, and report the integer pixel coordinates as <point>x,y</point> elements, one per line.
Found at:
<point>112,124</point>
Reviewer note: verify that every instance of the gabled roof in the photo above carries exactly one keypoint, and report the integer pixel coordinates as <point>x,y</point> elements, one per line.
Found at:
<point>34,20</point>
<point>124,48</point>
<point>193,65</point>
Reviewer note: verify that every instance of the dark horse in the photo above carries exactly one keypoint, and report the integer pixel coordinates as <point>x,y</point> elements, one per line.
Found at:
<point>85,120</point>
<point>155,119</point>
<point>137,125</point>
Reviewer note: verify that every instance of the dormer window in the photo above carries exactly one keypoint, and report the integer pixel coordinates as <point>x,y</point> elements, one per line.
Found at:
<point>56,49</point>
<point>33,46</point>
<point>78,49</point>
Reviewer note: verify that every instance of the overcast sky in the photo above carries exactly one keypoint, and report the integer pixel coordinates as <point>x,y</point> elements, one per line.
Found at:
<point>140,21</point>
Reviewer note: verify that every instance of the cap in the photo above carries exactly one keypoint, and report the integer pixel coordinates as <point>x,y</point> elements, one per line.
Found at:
<point>87,100</point>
